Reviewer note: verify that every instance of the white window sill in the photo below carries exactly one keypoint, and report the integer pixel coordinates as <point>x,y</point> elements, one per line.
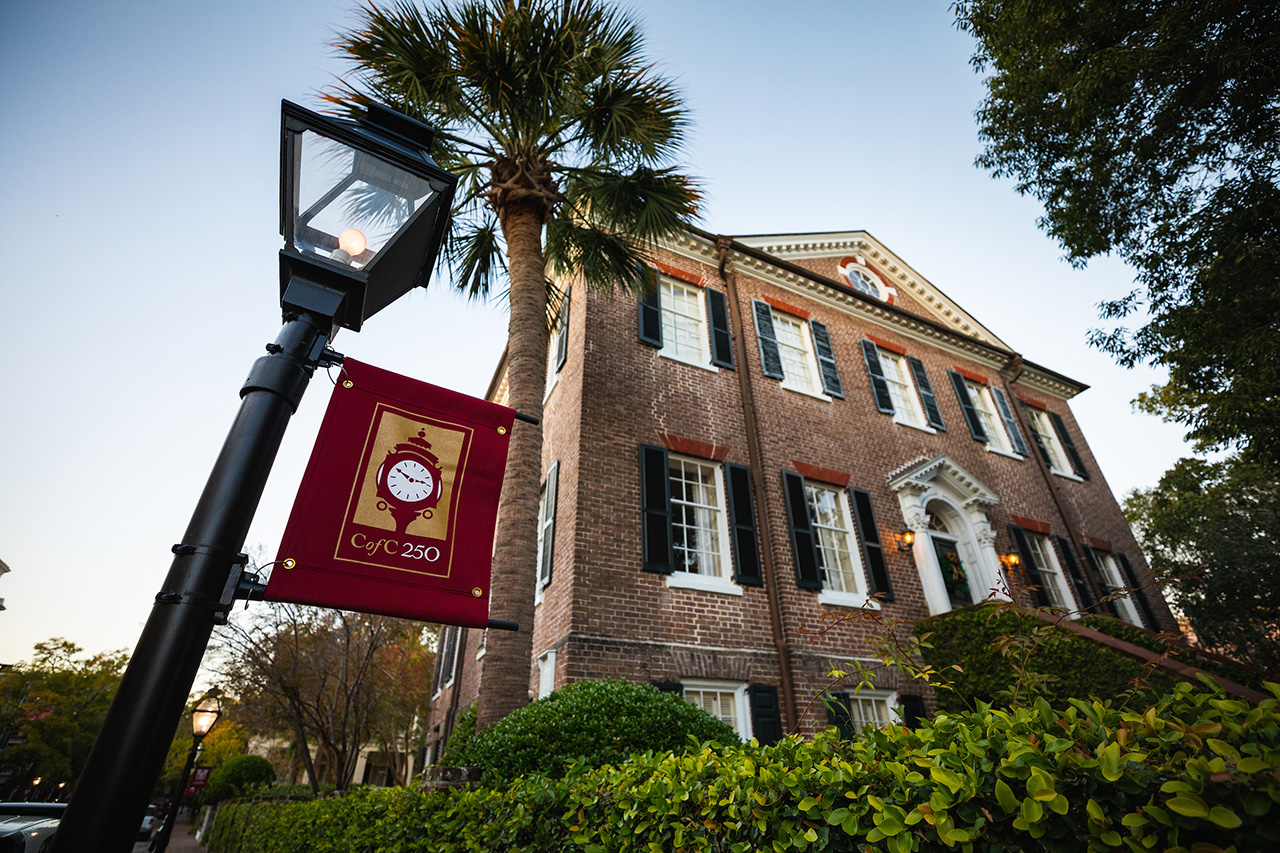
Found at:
<point>1065,475</point>
<point>710,368</point>
<point>847,599</point>
<point>817,395</point>
<point>481,653</point>
<point>1000,452</point>
<point>704,583</point>
<point>913,425</point>
<point>551,386</point>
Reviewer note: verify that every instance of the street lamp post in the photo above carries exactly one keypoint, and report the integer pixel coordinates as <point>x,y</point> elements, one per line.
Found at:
<point>206,713</point>
<point>363,210</point>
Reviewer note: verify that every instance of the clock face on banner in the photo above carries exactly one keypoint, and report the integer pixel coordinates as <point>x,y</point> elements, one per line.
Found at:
<point>396,512</point>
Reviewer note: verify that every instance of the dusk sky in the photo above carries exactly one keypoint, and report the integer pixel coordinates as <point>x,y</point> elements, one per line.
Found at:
<point>139,220</point>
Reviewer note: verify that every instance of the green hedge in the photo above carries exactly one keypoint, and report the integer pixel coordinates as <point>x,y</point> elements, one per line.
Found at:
<point>1194,771</point>
<point>1113,627</point>
<point>591,723</point>
<point>969,638</point>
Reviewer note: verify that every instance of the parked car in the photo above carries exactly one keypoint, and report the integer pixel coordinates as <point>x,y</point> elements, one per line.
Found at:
<point>150,823</point>
<point>28,827</point>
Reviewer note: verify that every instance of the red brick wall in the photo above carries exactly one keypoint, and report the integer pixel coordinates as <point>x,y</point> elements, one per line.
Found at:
<point>606,617</point>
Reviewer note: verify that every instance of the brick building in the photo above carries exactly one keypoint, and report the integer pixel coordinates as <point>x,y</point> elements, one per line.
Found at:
<point>742,451</point>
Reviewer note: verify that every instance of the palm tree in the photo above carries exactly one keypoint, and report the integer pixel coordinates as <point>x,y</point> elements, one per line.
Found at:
<point>564,138</point>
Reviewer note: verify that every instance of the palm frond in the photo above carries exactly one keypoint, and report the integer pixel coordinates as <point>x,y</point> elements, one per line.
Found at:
<point>473,251</point>
<point>645,204</point>
<point>605,260</point>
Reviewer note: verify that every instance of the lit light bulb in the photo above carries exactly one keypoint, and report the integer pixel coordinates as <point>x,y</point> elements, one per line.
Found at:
<point>351,242</point>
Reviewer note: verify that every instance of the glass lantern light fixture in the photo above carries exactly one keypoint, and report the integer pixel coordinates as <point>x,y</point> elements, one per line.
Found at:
<point>206,713</point>
<point>363,206</point>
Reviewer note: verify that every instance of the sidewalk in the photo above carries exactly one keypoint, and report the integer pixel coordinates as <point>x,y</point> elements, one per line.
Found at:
<point>182,840</point>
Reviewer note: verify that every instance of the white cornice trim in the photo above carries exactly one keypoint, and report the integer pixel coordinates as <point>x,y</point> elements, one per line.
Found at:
<point>695,248</point>
<point>922,475</point>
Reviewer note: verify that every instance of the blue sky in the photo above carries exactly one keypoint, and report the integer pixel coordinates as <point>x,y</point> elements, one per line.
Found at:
<point>139,218</point>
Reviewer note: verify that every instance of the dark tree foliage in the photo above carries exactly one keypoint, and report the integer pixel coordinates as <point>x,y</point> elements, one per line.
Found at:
<point>1148,128</point>
<point>1215,526</point>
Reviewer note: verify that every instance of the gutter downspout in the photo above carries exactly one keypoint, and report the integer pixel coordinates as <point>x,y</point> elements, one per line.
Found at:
<point>1011,374</point>
<point>790,720</point>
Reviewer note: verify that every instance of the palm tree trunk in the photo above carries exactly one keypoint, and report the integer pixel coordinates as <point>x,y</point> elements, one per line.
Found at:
<point>504,680</point>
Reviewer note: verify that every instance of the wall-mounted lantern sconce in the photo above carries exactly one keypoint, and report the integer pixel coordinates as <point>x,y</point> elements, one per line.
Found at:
<point>905,539</point>
<point>1010,561</point>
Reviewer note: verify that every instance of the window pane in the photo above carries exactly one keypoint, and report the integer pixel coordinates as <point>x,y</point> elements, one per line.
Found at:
<point>1050,577</point>
<point>994,427</point>
<point>682,321</point>
<point>793,347</point>
<point>835,559</point>
<point>695,517</point>
<point>901,390</point>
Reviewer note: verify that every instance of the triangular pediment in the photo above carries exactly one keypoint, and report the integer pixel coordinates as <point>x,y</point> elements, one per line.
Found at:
<point>849,250</point>
<point>921,475</point>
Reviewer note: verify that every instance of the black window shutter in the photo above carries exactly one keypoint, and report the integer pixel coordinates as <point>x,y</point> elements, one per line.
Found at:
<point>669,687</point>
<point>912,709</point>
<point>966,406</point>
<point>1092,562</point>
<point>549,515</point>
<point>826,359</point>
<point>804,548</point>
<point>770,358</point>
<point>742,516</point>
<point>1037,437</point>
<point>1010,422</point>
<point>872,549</point>
<point>655,500</point>
<point>879,387</point>
<point>766,714</point>
<point>562,323</point>
<point>931,410</point>
<point>838,714</point>
<point>718,320</point>
<point>1029,567</point>
<point>1138,595</point>
<point>651,309</point>
<point>1084,595</point>
<point>1070,446</point>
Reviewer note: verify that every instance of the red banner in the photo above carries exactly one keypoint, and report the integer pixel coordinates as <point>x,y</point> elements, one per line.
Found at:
<point>396,511</point>
<point>199,778</point>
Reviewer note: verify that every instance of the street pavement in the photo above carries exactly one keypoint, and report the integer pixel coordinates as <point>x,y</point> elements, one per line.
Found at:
<point>182,840</point>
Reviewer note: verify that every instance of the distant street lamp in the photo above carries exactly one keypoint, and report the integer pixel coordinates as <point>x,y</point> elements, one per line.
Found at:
<point>363,210</point>
<point>206,713</point>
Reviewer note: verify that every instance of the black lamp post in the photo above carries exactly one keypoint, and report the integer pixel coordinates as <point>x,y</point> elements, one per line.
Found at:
<point>205,714</point>
<point>363,210</point>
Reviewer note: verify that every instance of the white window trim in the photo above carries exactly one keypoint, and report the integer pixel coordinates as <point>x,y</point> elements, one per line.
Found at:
<point>901,367</point>
<point>741,706</point>
<point>484,644</point>
<point>1110,570</point>
<point>890,698</point>
<point>1062,584</point>
<point>922,427</point>
<point>538,585</point>
<point>981,393</point>
<point>453,668</point>
<point>723,582</point>
<point>704,583</point>
<point>848,599</point>
<point>546,673</point>
<point>844,598</point>
<point>709,367</point>
<point>810,355</point>
<point>1054,448</point>
<point>553,375</point>
<point>704,327</point>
